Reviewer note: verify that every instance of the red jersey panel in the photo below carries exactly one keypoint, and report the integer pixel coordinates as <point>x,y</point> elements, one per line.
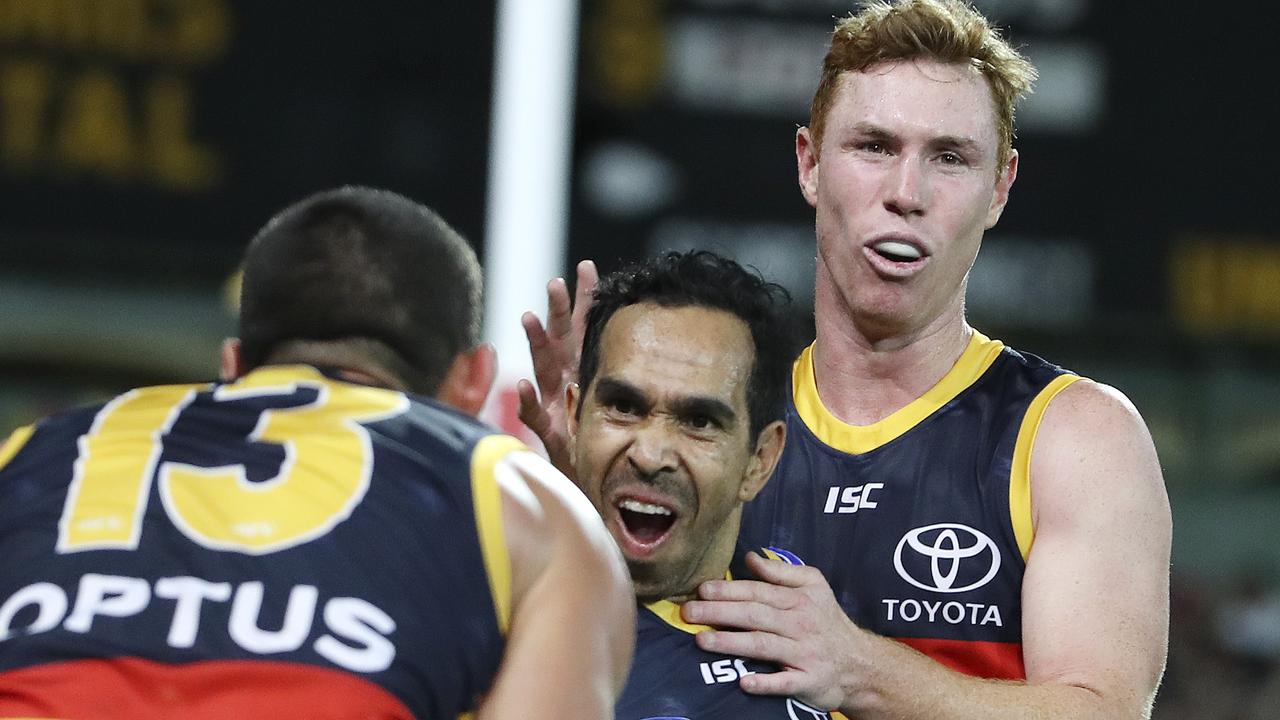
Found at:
<point>208,690</point>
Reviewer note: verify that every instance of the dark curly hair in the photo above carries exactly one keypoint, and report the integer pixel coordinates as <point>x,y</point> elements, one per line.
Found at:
<point>703,279</point>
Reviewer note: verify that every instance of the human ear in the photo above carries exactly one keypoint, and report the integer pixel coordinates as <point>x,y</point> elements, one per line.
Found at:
<point>1001,195</point>
<point>764,459</point>
<point>231,362</point>
<point>469,379</point>
<point>807,165</point>
<point>572,396</point>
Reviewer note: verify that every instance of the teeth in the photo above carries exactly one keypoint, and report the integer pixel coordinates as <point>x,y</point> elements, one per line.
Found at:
<point>646,508</point>
<point>897,249</point>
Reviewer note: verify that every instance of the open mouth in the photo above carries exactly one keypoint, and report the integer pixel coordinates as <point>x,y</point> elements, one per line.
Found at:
<point>645,525</point>
<point>897,251</point>
<point>896,258</point>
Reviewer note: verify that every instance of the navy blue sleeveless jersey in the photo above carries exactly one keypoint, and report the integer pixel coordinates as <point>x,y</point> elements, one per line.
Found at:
<point>673,679</point>
<point>922,521</point>
<point>287,545</point>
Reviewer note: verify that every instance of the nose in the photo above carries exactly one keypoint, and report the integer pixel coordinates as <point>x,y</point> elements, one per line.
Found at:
<point>653,449</point>
<point>906,189</point>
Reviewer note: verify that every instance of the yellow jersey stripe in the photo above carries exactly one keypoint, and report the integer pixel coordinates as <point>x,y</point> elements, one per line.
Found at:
<point>486,499</point>
<point>1020,473</point>
<point>670,614</point>
<point>15,442</point>
<point>980,353</point>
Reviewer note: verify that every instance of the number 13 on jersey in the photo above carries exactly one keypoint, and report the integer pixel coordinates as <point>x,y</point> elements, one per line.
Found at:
<point>328,458</point>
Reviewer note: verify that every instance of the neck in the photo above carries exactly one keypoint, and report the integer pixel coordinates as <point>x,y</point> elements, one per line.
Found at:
<point>713,556</point>
<point>866,371</point>
<point>344,356</point>
<point>371,376</point>
<point>688,594</point>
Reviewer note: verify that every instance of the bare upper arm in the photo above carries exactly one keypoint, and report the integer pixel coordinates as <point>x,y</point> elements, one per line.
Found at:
<point>1096,588</point>
<point>572,622</point>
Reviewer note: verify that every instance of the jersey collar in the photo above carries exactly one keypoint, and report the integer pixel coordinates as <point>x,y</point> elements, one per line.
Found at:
<point>977,357</point>
<point>669,613</point>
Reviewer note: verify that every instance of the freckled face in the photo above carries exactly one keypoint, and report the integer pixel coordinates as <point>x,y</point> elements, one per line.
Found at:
<point>905,186</point>
<point>662,445</point>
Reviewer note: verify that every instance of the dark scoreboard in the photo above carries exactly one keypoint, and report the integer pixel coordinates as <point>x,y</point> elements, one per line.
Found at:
<point>148,139</point>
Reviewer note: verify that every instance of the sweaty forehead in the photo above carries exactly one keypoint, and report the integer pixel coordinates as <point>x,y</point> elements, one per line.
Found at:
<point>678,350</point>
<point>918,97</point>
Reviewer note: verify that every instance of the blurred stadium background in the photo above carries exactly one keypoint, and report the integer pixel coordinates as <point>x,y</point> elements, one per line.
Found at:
<point>142,142</point>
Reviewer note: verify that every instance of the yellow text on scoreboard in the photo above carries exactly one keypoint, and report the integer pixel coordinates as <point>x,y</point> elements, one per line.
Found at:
<point>105,90</point>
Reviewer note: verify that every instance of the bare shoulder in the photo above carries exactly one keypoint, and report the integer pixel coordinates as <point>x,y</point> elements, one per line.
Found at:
<point>564,509</point>
<point>1091,421</point>
<point>1092,408</point>
<point>547,517</point>
<point>566,572</point>
<point>526,528</point>
<point>1094,447</point>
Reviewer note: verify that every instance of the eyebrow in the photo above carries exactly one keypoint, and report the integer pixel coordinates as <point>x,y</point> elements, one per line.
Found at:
<point>958,142</point>
<point>614,389</point>
<point>608,388</point>
<point>965,144</point>
<point>875,131</point>
<point>701,405</point>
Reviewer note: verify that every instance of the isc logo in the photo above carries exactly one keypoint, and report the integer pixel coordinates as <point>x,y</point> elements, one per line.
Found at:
<point>723,671</point>
<point>846,500</point>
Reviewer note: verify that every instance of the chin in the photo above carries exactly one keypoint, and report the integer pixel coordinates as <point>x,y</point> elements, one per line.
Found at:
<point>884,317</point>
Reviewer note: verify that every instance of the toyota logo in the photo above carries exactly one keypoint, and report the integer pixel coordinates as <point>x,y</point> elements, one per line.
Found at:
<point>948,546</point>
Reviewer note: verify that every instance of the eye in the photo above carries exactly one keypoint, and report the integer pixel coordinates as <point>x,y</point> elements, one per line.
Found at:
<point>623,406</point>
<point>875,147</point>
<point>951,158</point>
<point>700,421</point>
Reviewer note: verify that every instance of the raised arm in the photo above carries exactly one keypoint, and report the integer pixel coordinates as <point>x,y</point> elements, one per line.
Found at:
<point>572,625</point>
<point>1095,602</point>
<point>555,350</point>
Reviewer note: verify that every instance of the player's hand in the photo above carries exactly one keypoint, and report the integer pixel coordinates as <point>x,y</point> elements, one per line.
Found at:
<point>555,350</point>
<point>792,619</point>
